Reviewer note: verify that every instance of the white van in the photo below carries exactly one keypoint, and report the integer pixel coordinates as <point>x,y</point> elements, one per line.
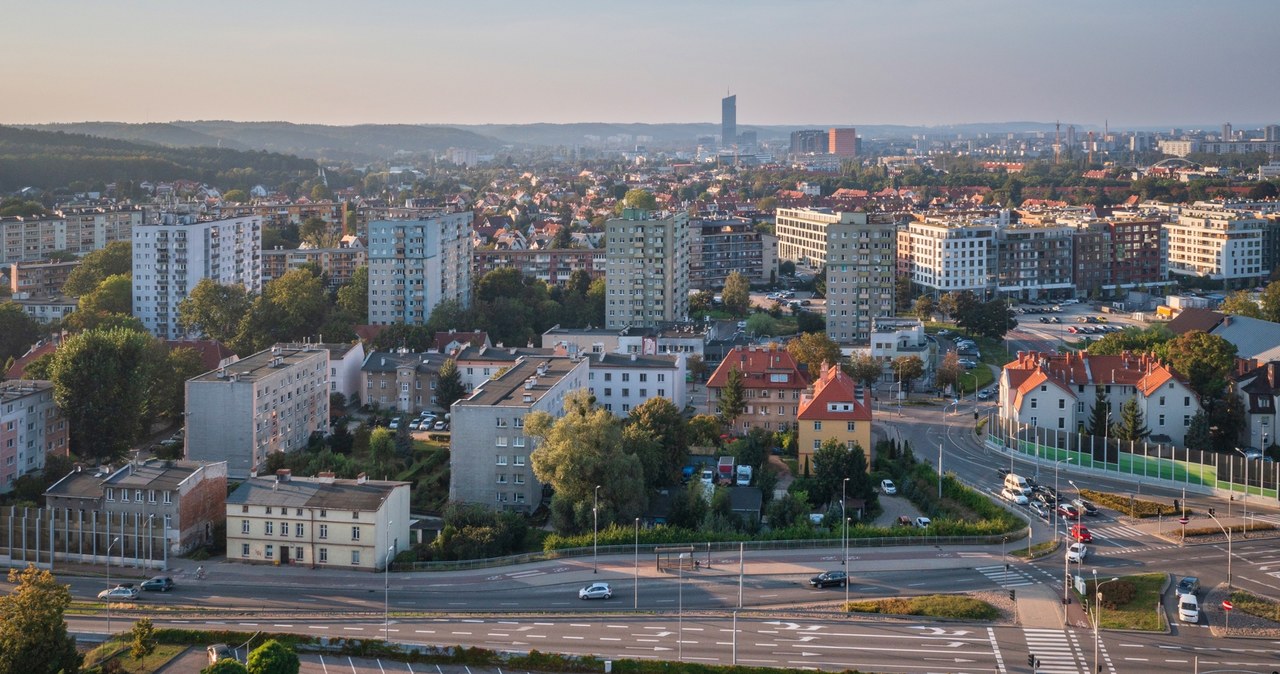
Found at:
<point>1017,483</point>
<point>1188,608</point>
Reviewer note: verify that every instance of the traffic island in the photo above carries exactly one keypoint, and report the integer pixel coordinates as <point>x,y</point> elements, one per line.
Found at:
<point>1249,615</point>
<point>953,606</point>
<point>1129,602</point>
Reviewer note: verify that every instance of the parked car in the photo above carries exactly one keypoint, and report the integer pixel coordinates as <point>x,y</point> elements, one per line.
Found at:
<point>1046,497</point>
<point>1189,585</point>
<point>829,579</point>
<point>1068,511</point>
<point>158,584</point>
<point>218,652</point>
<point>923,522</point>
<point>1013,496</point>
<point>1077,552</point>
<point>1085,507</point>
<point>441,426</point>
<point>395,424</point>
<point>1079,532</point>
<point>888,487</point>
<point>944,332</point>
<point>1002,472</point>
<point>1039,509</point>
<point>119,592</point>
<point>1188,608</point>
<point>596,591</point>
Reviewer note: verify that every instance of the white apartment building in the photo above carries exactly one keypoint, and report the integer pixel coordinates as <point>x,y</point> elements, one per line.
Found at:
<point>859,251</point>
<point>318,521</point>
<point>172,256</point>
<point>74,230</point>
<point>416,264</point>
<point>489,451</point>
<point>1209,240</point>
<point>646,269</point>
<point>893,337</point>
<point>31,426</point>
<point>272,401</point>
<point>622,382</point>
<point>948,256</point>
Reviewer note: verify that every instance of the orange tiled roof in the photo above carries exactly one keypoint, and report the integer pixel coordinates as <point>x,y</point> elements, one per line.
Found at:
<point>835,387</point>
<point>762,368</point>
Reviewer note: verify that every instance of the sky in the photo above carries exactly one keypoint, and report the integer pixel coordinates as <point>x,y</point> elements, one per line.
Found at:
<point>916,62</point>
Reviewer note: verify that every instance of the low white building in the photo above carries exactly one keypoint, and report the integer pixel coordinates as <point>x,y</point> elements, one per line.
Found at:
<point>895,337</point>
<point>622,382</point>
<point>345,361</point>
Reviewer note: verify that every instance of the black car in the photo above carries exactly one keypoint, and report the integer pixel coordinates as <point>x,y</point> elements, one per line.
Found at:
<point>1188,585</point>
<point>159,584</point>
<point>1086,507</point>
<point>1002,472</point>
<point>1045,497</point>
<point>1031,482</point>
<point>829,579</point>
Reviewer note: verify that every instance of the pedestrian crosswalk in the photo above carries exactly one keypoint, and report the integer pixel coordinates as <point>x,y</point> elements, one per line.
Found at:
<point>1055,651</point>
<point>1117,531</point>
<point>1013,577</point>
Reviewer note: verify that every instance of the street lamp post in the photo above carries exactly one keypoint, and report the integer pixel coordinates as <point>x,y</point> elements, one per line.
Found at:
<point>846,564</point>
<point>1228,533</point>
<point>635,591</point>
<point>1097,616</point>
<point>595,530</point>
<point>113,542</point>
<point>1055,492</point>
<point>386,592</point>
<point>844,486</point>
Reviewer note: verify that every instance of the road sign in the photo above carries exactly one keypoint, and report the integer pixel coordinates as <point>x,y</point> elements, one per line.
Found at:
<point>1226,605</point>
<point>1183,521</point>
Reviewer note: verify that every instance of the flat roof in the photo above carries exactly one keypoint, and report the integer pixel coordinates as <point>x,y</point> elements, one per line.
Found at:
<point>532,376</point>
<point>253,366</point>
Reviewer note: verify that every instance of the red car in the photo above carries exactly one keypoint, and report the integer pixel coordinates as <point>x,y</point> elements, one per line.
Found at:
<point>1080,533</point>
<point>1068,511</point>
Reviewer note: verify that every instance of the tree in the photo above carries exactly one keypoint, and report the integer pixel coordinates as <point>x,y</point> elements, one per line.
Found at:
<point>353,297</point>
<point>316,233</point>
<point>659,420</point>
<point>382,450</point>
<point>733,400</point>
<point>1131,339</point>
<point>736,294</point>
<point>143,641</point>
<point>924,307</point>
<point>235,197</point>
<point>638,198</point>
<point>1131,426</point>
<point>947,304</point>
<point>114,295</point>
<point>1270,301</point>
<point>809,322</point>
<point>832,463</point>
<point>696,366</point>
<point>814,349</point>
<point>215,310</point>
<point>115,258</point>
<point>989,319</point>
<point>1204,359</point>
<point>18,331</point>
<point>948,372</point>
<point>704,430</point>
<point>1240,303</point>
<point>33,633</point>
<point>298,304</point>
<point>907,369</point>
<point>865,369</point>
<point>449,386</point>
<point>168,391</point>
<point>1100,418</point>
<point>761,324</point>
<point>225,666</point>
<point>101,380</point>
<point>273,657</point>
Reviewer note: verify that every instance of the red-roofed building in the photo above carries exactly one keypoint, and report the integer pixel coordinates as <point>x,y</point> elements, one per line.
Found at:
<point>772,382</point>
<point>451,341</point>
<point>836,408</point>
<point>1057,392</point>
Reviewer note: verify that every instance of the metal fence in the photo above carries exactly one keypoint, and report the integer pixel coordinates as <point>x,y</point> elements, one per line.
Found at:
<point>46,536</point>
<point>1140,459</point>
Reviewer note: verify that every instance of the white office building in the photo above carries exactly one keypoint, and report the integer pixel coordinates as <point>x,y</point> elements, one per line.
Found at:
<point>948,256</point>
<point>416,264</point>
<point>170,257</point>
<point>1209,240</point>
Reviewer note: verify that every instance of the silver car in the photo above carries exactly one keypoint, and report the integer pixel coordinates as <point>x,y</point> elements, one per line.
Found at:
<point>596,591</point>
<point>120,592</point>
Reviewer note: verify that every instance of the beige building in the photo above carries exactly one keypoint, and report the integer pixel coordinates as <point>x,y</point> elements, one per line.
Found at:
<point>647,269</point>
<point>31,426</point>
<point>948,256</point>
<point>318,521</point>
<point>39,280</point>
<point>1212,241</point>
<point>402,380</point>
<point>339,264</point>
<point>74,230</point>
<point>272,401</point>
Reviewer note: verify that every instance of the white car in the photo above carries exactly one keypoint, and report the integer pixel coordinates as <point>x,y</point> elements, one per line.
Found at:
<point>1188,608</point>
<point>1013,496</point>
<point>119,592</point>
<point>1077,552</point>
<point>596,591</point>
<point>923,522</point>
<point>888,487</point>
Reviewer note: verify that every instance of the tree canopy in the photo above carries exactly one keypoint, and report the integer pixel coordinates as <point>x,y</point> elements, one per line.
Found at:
<point>102,381</point>
<point>18,331</point>
<point>114,258</point>
<point>1204,359</point>
<point>814,349</point>
<point>736,294</point>
<point>273,657</point>
<point>33,633</point>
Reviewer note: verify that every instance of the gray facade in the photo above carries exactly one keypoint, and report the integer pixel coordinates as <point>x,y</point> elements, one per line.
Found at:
<point>647,269</point>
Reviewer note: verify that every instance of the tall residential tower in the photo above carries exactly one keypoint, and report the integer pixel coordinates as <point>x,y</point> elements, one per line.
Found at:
<point>416,264</point>
<point>647,269</point>
<point>728,121</point>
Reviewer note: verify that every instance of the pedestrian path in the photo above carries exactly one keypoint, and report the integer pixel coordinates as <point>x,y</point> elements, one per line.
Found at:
<point>1013,577</point>
<point>1056,651</point>
<point>1117,531</point>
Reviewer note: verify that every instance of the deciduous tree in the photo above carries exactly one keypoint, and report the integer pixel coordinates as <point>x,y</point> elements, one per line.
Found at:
<point>101,380</point>
<point>924,308</point>
<point>814,349</point>
<point>1240,303</point>
<point>215,310</point>
<point>865,369</point>
<point>948,372</point>
<point>115,258</point>
<point>736,294</point>
<point>659,419</point>
<point>1204,359</point>
<point>33,633</point>
<point>18,331</point>
<point>273,657</point>
<point>353,297</point>
<point>907,369</point>
<point>142,640</point>
<point>114,295</point>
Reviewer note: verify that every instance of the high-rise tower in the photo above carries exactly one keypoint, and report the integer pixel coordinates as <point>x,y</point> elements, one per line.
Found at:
<point>728,121</point>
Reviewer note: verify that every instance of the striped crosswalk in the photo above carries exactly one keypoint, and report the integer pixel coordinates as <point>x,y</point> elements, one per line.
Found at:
<point>1012,577</point>
<point>1117,531</point>
<point>1056,651</point>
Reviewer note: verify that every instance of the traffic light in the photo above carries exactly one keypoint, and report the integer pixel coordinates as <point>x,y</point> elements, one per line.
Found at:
<point>1175,504</point>
<point>1032,662</point>
<point>1211,512</point>
<point>1012,595</point>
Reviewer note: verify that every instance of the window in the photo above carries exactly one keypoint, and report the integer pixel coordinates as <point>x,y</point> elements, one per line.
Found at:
<point>1062,404</point>
<point>502,458</point>
<point>244,549</point>
<point>323,512</point>
<point>1062,422</point>
<point>355,533</point>
<point>268,510</point>
<point>269,529</point>
<point>324,555</point>
<point>817,444</point>
<point>244,509</point>
<point>284,528</point>
<point>151,496</point>
<point>1186,401</point>
<point>297,554</point>
<point>124,495</point>
<point>324,531</point>
<point>298,530</point>
<point>111,495</point>
<point>817,425</point>
<point>137,495</point>
<point>168,498</point>
<point>852,426</point>
<point>355,557</point>
<point>518,460</point>
<point>1161,420</point>
<point>271,552</point>
<point>1162,400</point>
<point>244,526</point>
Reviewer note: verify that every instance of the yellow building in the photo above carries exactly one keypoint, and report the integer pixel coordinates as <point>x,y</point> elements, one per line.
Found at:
<point>835,408</point>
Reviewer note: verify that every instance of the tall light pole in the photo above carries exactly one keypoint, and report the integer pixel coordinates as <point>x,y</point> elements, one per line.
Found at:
<point>846,564</point>
<point>386,589</point>
<point>844,486</point>
<point>1097,616</point>
<point>635,591</point>
<point>1055,492</point>
<point>1228,533</point>
<point>113,542</point>
<point>595,530</point>
<point>680,613</point>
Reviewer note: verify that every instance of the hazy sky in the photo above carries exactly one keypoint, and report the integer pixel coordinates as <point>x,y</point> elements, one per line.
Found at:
<point>1132,62</point>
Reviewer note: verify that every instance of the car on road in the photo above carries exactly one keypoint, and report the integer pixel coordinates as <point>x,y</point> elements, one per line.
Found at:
<point>944,332</point>
<point>985,394</point>
<point>829,579</point>
<point>1013,496</point>
<point>596,591</point>
<point>1188,585</point>
<point>158,584</point>
<point>119,592</point>
<point>1077,552</point>
<point>1068,511</point>
<point>1072,329</point>
<point>1039,509</point>
<point>888,487</point>
<point>1188,608</point>
<point>1046,497</point>
<point>1002,472</point>
<point>1068,301</point>
<point>923,522</point>
<point>1085,507</point>
<point>968,363</point>
<point>1079,532</point>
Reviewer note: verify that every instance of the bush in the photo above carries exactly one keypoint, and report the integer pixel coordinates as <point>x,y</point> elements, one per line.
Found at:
<point>1140,507</point>
<point>934,605</point>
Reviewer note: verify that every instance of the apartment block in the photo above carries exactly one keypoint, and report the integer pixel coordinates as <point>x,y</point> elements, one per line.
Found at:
<point>1117,253</point>
<point>552,265</point>
<point>489,450</point>
<point>401,380</point>
<point>623,382</point>
<point>943,256</point>
<point>842,142</point>
<point>1208,240</point>
<point>74,230</point>
<point>647,269</point>
<point>39,280</point>
<point>719,247</point>
<point>772,382</point>
<point>173,255</point>
<point>859,251</point>
<point>338,264</point>
<point>1034,261</point>
<point>271,401</point>
<point>31,426</point>
<point>321,522</point>
<point>416,264</point>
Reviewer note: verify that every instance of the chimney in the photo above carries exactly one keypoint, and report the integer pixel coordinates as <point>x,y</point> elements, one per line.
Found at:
<point>362,478</point>
<point>283,475</point>
<point>326,477</point>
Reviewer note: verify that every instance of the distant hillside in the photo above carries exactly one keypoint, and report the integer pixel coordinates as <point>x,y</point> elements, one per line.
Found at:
<point>49,160</point>
<point>361,143</point>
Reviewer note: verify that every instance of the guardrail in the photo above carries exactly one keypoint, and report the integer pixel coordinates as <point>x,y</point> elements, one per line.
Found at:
<point>716,546</point>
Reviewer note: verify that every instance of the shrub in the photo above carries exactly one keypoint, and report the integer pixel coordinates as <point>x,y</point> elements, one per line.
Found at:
<point>1138,508</point>
<point>934,605</point>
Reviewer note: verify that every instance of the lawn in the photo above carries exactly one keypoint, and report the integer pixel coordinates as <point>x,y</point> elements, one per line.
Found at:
<point>1252,604</point>
<point>1037,551</point>
<point>934,605</point>
<point>119,651</point>
<point>1139,610</point>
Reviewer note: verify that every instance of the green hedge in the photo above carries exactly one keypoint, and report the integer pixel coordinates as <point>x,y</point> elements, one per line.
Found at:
<point>955,606</point>
<point>1141,507</point>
